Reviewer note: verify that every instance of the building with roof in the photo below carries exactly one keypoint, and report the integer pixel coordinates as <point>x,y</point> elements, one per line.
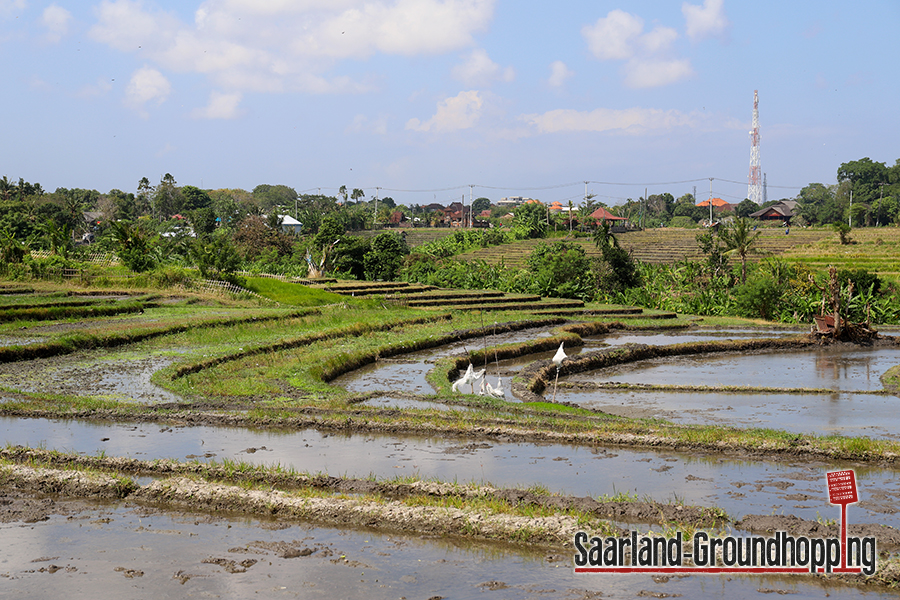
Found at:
<point>601,214</point>
<point>289,224</point>
<point>718,204</point>
<point>782,210</point>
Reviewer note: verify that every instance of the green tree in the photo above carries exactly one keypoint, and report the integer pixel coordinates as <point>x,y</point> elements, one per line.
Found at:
<point>617,270</point>
<point>166,198</point>
<point>134,246</point>
<point>746,207</point>
<point>480,204</point>
<point>58,238</point>
<point>531,218</point>
<point>561,270</point>
<point>215,256</point>
<point>330,231</point>
<point>866,177</point>
<point>202,220</point>
<point>194,198</point>
<point>741,239</point>
<point>710,245</point>
<point>11,249</point>
<point>385,256</point>
<point>268,197</point>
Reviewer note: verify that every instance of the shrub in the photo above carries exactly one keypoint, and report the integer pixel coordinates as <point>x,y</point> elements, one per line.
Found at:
<point>561,270</point>
<point>385,256</point>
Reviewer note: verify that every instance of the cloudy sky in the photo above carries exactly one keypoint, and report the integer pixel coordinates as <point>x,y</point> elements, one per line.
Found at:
<point>421,99</point>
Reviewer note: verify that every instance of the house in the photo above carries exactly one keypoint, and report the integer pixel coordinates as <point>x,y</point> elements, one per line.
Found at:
<point>601,214</point>
<point>780,211</point>
<point>719,205</point>
<point>289,224</point>
<point>514,201</point>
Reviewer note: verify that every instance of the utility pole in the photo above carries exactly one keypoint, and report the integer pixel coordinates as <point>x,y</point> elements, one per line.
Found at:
<point>850,212</point>
<point>471,204</point>
<point>375,216</point>
<point>710,202</point>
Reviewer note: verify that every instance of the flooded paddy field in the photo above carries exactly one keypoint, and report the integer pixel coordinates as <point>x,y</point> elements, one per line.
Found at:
<point>407,373</point>
<point>839,368</point>
<point>132,548</point>
<point>847,414</point>
<point>96,374</point>
<point>128,550</point>
<point>740,486</point>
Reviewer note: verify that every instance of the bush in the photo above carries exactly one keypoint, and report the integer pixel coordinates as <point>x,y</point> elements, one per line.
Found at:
<point>685,222</point>
<point>561,270</point>
<point>385,256</point>
<point>758,298</point>
<point>862,280</point>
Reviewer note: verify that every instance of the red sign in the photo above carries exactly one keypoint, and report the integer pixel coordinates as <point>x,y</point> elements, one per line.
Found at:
<point>842,487</point>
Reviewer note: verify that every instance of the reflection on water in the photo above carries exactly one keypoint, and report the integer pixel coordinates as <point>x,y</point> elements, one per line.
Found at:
<point>740,487</point>
<point>129,552</point>
<point>829,367</point>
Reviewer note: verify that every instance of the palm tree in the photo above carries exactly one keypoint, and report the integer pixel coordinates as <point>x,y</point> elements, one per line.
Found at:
<point>740,238</point>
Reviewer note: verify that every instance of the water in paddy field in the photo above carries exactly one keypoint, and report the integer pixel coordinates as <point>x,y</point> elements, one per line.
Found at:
<point>835,368</point>
<point>127,551</point>
<point>844,410</point>
<point>740,487</point>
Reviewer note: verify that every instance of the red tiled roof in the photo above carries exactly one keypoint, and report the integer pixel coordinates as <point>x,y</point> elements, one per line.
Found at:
<point>604,215</point>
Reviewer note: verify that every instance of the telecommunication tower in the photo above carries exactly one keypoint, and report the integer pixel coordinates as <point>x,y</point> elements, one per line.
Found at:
<point>754,189</point>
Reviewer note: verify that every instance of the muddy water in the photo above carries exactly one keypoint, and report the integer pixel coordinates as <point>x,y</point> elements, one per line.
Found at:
<point>847,414</point>
<point>837,368</point>
<point>680,337</point>
<point>407,373</point>
<point>128,552</point>
<point>105,375</point>
<point>739,487</point>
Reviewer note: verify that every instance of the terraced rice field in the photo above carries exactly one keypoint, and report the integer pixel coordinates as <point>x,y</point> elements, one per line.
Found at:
<point>414,295</point>
<point>215,431</point>
<point>658,246</point>
<point>876,249</point>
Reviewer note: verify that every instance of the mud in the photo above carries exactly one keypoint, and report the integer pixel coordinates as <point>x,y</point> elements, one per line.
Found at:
<point>90,374</point>
<point>141,551</point>
<point>391,513</point>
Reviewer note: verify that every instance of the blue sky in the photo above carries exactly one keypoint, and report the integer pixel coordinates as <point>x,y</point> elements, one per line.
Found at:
<point>419,99</point>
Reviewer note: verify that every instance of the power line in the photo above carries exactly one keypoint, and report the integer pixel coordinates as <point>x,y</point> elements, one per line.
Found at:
<point>561,185</point>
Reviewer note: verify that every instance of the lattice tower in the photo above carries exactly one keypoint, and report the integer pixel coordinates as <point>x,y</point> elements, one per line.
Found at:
<point>754,189</point>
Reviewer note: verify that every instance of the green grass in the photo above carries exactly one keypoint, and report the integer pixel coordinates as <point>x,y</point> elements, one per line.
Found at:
<point>292,294</point>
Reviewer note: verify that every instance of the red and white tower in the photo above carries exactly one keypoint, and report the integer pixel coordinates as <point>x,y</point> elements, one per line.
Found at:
<point>754,190</point>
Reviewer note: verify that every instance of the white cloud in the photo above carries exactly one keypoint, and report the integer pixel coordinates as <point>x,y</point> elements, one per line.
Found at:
<point>613,37</point>
<point>221,106</point>
<point>480,71</point>
<point>247,45</point>
<point>459,112</point>
<point>654,73</point>
<point>559,73</point>
<point>146,85</point>
<point>56,20</point>
<point>620,36</point>
<point>658,40</point>
<point>631,120</point>
<point>705,21</point>
<point>10,7</point>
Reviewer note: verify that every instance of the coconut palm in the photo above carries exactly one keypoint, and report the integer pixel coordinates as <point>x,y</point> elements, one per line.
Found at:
<point>740,238</point>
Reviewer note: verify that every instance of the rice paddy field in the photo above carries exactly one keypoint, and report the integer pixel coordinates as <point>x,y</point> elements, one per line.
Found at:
<point>876,249</point>
<point>312,440</point>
